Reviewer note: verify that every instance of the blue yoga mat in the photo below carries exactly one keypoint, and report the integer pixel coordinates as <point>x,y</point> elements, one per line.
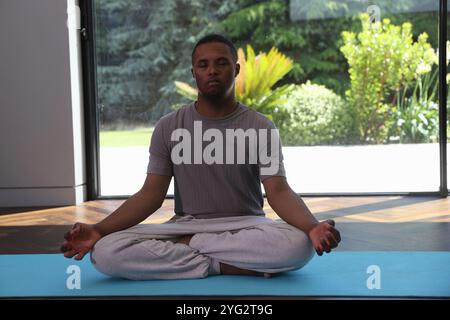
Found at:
<point>351,274</point>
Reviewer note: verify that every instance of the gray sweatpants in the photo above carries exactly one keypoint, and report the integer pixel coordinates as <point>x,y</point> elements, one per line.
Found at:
<point>254,243</point>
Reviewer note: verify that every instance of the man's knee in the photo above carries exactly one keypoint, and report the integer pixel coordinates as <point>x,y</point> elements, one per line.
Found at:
<point>116,255</point>
<point>300,249</point>
<point>295,250</point>
<point>132,258</point>
<point>105,256</point>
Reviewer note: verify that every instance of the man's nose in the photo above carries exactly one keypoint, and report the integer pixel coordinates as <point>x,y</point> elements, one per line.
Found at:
<point>212,69</point>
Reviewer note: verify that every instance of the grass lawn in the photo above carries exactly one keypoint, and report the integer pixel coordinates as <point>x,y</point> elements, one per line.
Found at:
<point>126,138</point>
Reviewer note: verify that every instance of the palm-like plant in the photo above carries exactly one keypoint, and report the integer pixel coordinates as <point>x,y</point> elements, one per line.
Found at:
<point>258,74</point>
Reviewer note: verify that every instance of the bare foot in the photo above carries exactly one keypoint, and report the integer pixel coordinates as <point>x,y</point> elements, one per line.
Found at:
<point>226,268</point>
<point>232,270</point>
<point>185,239</point>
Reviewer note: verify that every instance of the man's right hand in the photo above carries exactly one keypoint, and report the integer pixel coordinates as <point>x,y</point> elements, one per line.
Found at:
<point>80,240</point>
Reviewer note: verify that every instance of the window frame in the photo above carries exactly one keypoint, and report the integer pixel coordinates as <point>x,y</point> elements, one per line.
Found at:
<point>91,117</point>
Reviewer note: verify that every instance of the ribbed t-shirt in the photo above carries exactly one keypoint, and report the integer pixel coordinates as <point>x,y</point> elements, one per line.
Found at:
<point>210,182</point>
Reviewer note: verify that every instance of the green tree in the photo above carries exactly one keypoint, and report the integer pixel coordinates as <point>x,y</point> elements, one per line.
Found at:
<point>142,47</point>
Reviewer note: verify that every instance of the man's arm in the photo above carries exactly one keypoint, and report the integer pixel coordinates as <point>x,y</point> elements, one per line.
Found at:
<point>291,208</point>
<point>138,207</point>
<point>288,205</point>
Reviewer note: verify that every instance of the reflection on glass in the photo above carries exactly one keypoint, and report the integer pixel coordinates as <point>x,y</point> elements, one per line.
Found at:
<point>351,85</point>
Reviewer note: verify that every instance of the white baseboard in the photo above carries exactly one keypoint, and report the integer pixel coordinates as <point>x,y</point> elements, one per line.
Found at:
<point>41,197</point>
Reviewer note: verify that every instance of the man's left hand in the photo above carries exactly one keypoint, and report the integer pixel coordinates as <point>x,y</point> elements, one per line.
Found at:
<point>324,237</point>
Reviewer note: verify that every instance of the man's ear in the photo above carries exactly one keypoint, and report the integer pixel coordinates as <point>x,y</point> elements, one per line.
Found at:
<point>237,68</point>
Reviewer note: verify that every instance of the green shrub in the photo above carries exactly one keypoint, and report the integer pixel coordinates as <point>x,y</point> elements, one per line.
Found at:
<point>383,59</point>
<point>418,111</point>
<point>316,116</point>
<point>419,122</point>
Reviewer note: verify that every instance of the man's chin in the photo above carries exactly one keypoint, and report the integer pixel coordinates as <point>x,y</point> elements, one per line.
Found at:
<point>213,96</point>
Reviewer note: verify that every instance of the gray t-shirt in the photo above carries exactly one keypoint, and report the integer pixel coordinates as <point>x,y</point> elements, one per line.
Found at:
<point>203,156</point>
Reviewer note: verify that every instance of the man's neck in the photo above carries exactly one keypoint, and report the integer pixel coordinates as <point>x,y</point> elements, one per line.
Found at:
<point>215,109</point>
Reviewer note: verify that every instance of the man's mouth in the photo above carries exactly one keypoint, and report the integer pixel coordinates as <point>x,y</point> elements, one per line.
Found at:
<point>213,83</point>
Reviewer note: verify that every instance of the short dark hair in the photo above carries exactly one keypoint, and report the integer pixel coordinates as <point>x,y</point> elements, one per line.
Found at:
<point>215,37</point>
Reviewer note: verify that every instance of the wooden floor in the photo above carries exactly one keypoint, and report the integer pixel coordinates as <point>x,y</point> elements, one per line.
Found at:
<point>365,223</point>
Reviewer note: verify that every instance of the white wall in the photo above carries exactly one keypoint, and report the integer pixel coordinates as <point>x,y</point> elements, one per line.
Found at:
<point>41,118</point>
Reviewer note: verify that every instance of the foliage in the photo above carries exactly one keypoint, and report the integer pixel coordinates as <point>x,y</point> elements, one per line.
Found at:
<point>316,116</point>
<point>311,44</point>
<point>417,108</point>
<point>186,90</point>
<point>258,75</point>
<point>382,59</point>
<point>418,114</point>
<point>144,46</point>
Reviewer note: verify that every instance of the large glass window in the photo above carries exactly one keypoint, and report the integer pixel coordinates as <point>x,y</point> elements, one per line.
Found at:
<point>356,95</point>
